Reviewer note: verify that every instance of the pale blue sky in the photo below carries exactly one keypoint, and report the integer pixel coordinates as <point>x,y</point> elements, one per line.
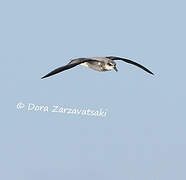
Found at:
<point>144,135</point>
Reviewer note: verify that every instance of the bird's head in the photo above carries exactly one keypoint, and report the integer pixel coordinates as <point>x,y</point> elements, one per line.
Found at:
<point>111,65</point>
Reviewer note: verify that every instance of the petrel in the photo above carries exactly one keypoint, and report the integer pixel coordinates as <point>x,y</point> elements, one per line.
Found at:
<point>100,64</point>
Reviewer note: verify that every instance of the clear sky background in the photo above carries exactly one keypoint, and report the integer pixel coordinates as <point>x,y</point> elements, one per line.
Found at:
<point>143,136</point>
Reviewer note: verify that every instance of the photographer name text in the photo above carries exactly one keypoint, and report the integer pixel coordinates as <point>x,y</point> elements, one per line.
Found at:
<point>32,107</point>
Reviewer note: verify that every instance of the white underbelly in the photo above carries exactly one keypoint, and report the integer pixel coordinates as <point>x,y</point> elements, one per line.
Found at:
<point>84,64</point>
<point>96,67</point>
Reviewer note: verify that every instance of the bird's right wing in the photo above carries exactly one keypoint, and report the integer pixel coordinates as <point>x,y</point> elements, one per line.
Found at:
<point>130,62</point>
<point>70,65</point>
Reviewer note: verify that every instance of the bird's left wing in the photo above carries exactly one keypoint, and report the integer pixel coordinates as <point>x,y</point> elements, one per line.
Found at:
<point>130,62</point>
<point>70,65</point>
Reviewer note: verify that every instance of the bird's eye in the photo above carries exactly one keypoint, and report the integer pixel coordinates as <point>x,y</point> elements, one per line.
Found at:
<point>109,64</point>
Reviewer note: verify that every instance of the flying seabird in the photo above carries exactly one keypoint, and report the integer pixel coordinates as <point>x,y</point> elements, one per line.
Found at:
<point>100,64</point>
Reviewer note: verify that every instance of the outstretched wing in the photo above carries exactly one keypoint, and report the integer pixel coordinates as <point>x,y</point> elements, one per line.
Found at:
<point>130,62</point>
<point>70,65</point>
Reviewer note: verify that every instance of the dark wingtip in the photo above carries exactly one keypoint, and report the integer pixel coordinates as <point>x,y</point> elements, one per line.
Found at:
<point>48,75</point>
<point>151,73</point>
<point>44,77</point>
<point>147,70</point>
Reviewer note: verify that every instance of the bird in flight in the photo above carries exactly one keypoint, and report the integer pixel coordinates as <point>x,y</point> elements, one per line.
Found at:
<point>100,64</point>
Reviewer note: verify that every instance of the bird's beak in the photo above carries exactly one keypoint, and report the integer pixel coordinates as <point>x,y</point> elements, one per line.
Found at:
<point>115,68</point>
